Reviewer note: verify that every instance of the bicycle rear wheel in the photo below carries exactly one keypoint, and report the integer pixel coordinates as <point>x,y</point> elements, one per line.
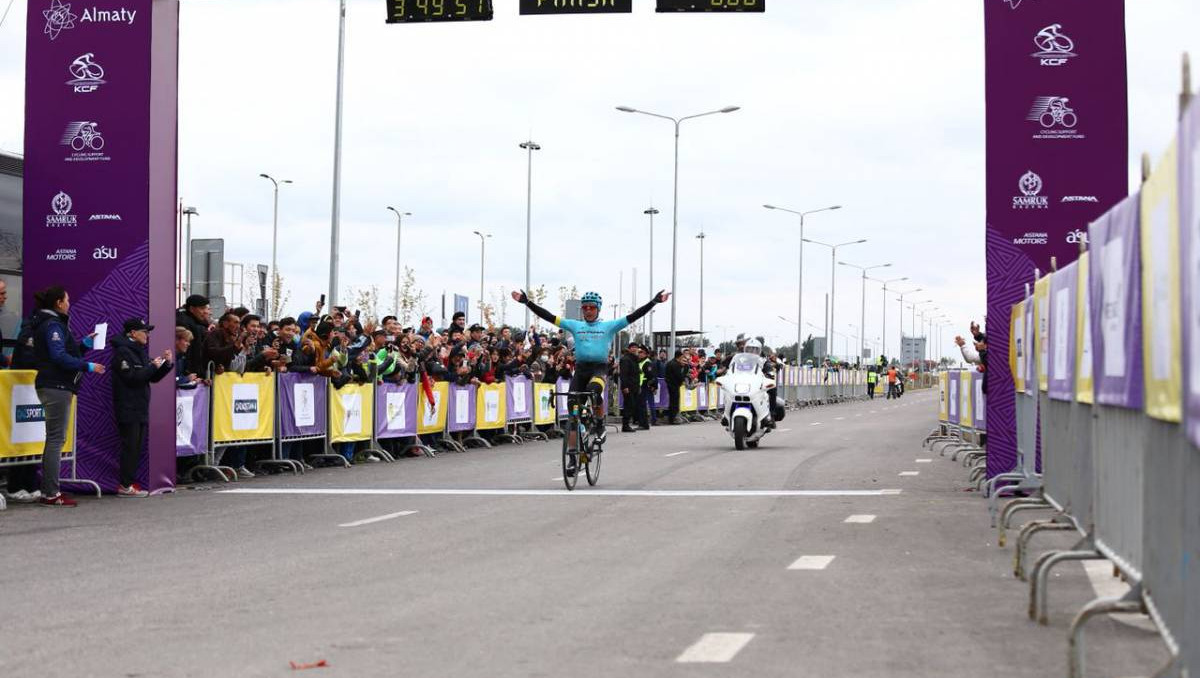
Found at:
<point>568,459</point>
<point>593,464</point>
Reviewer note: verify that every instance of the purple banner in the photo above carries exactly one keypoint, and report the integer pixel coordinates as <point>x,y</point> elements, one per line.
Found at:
<point>99,200</point>
<point>1114,276</point>
<point>395,410</point>
<point>662,397</point>
<point>952,398</point>
<point>560,407</point>
<point>1057,152</point>
<point>1064,290</point>
<point>303,400</point>
<point>1189,227</point>
<point>519,396</point>
<point>191,421</point>
<point>461,414</point>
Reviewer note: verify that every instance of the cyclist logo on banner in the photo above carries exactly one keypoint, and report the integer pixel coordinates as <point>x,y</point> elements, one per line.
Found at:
<point>1055,48</point>
<point>1055,117</point>
<point>87,75</point>
<point>86,142</point>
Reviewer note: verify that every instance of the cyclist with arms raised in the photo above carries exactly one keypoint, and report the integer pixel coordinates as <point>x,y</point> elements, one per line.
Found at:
<point>593,337</point>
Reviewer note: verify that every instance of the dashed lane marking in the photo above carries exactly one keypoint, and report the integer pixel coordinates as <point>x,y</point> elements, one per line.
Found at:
<point>715,648</point>
<point>839,418</point>
<point>377,519</point>
<point>815,423</point>
<point>676,454</point>
<point>924,461</point>
<point>360,492</point>
<point>812,563</point>
<point>863,519</point>
<point>910,473</point>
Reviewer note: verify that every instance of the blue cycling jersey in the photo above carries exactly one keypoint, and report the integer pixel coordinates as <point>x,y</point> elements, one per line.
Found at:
<point>592,340</point>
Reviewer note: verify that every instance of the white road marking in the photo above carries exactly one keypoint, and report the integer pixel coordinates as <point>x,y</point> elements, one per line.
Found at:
<point>910,473</point>
<point>924,461</point>
<point>377,519</point>
<point>784,430</point>
<point>359,492</point>
<point>864,518</point>
<point>838,418</point>
<point>715,648</point>
<point>812,563</point>
<point>676,454</point>
<point>815,423</point>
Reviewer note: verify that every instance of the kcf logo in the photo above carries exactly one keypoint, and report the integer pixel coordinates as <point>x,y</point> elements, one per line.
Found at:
<point>86,74</point>
<point>1055,48</point>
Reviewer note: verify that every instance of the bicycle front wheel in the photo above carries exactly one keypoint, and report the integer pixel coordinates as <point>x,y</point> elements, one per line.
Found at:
<point>593,464</point>
<point>568,462</point>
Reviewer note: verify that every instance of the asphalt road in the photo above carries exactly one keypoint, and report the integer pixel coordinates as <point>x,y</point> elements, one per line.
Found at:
<point>678,564</point>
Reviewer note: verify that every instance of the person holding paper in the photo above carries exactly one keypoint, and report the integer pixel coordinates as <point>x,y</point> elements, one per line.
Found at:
<point>134,371</point>
<point>60,367</point>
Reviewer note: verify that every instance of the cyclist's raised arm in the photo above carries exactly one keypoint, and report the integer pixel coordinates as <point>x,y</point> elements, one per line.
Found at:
<point>522,298</point>
<point>637,315</point>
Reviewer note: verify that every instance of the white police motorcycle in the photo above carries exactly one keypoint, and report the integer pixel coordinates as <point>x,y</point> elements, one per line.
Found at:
<point>747,414</point>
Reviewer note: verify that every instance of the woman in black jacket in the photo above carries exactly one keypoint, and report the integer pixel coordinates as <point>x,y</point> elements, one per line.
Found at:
<point>60,367</point>
<point>134,372</point>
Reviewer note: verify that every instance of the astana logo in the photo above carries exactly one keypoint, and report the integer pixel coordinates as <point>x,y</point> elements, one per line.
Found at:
<point>58,18</point>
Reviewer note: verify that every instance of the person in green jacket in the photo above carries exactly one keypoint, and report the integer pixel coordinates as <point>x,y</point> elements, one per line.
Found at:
<point>872,380</point>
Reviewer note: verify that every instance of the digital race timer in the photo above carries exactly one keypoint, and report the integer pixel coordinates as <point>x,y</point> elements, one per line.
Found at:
<point>419,11</point>
<point>576,6</point>
<point>712,5</point>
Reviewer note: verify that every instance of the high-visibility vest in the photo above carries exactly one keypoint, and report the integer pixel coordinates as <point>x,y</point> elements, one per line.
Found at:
<point>872,377</point>
<point>642,372</point>
<point>892,376</point>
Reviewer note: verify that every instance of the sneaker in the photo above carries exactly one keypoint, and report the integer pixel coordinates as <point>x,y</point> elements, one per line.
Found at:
<point>133,490</point>
<point>628,429</point>
<point>243,473</point>
<point>59,499</point>
<point>309,467</point>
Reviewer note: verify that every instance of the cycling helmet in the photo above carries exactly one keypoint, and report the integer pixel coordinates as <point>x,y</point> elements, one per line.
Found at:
<point>753,346</point>
<point>592,298</point>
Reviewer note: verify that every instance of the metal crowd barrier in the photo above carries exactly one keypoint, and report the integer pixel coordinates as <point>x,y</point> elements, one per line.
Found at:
<point>23,439</point>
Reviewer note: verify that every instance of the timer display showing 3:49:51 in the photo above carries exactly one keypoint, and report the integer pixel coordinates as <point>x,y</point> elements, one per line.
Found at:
<point>416,11</point>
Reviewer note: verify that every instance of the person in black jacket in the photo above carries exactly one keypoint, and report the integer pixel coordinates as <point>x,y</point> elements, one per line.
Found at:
<point>195,316</point>
<point>60,367</point>
<point>676,375</point>
<point>134,371</point>
<point>631,388</point>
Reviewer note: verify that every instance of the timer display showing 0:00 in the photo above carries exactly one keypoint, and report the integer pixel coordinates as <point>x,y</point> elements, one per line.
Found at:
<point>712,5</point>
<point>417,11</point>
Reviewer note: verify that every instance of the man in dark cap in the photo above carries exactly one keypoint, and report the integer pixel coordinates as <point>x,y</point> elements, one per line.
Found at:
<point>195,316</point>
<point>133,372</point>
<point>631,389</point>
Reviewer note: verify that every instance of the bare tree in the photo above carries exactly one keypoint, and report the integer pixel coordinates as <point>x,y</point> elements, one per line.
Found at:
<point>411,298</point>
<point>366,301</point>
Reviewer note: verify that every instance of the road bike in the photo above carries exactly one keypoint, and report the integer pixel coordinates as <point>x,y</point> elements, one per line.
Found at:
<point>1058,113</point>
<point>85,69</point>
<point>1050,41</point>
<point>581,419</point>
<point>87,137</point>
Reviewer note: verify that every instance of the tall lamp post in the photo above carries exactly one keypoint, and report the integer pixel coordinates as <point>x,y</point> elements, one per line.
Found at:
<point>833,277</point>
<point>399,220</point>
<point>701,239</point>
<point>482,252</point>
<point>862,348</point>
<point>650,316</point>
<point>336,221</point>
<point>800,267</point>
<point>900,321</point>
<point>675,200</point>
<point>914,306</point>
<point>274,240</point>
<point>883,336</point>
<point>530,146</point>
<point>188,212</point>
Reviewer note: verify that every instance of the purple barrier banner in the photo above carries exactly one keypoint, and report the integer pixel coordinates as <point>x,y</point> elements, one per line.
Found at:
<point>395,410</point>
<point>662,398</point>
<point>978,404</point>
<point>1115,274</point>
<point>952,398</point>
<point>519,394</point>
<point>461,414</point>
<point>99,202</point>
<point>1064,290</point>
<point>303,409</point>
<point>191,421</point>
<point>702,397</point>
<point>1189,233</point>
<point>560,406</point>
<point>1057,158</point>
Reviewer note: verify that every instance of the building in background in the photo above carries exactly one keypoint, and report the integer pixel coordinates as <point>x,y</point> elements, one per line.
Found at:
<point>12,171</point>
<point>912,350</point>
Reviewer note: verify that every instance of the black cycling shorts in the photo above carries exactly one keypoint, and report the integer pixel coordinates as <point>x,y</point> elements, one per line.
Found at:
<point>589,376</point>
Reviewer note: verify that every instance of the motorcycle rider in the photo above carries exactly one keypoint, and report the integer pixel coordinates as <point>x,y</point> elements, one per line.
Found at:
<point>767,366</point>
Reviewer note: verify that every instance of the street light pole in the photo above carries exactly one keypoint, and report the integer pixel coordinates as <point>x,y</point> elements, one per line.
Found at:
<point>335,226</point>
<point>650,316</point>
<point>399,219</point>
<point>675,199</point>
<point>187,275</point>
<point>800,268</point>
<point>701,239</point>
<point>482,251</point>
<point>275,241</point>
<point>883,309</point>
<point>833,277</point>
<point>900,321</point>
<point>529,146</point>
<point>862,347</point>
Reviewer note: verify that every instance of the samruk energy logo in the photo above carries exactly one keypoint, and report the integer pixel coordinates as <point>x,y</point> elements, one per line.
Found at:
<point>1031,198</point>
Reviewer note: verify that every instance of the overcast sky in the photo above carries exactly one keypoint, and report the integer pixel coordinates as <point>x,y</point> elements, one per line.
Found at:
<point>876,105</point>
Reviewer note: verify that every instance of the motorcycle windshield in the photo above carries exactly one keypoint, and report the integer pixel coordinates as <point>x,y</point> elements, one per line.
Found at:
<point>744,363</point>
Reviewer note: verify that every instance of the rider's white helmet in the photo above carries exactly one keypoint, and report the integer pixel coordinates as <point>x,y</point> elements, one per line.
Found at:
<point>753,346</point>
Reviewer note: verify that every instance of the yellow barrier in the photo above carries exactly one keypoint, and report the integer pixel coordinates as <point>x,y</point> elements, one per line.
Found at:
<point>687,399</point>
<point>543,404</point>
<point>433,419</point>
<point>490,407</point>
<point>351,413</point>
<point>243,407</point>
<point>23,422</point>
